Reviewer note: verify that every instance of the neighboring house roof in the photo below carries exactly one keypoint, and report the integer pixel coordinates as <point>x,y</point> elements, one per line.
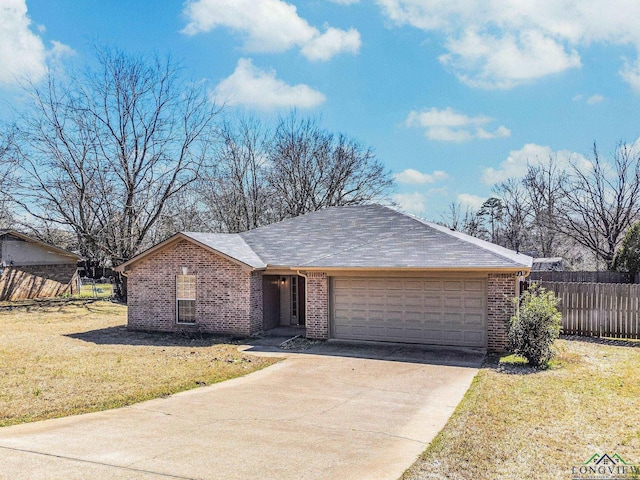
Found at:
<point>358,237</point>
<point>547,264</point>
<point>43,245</point>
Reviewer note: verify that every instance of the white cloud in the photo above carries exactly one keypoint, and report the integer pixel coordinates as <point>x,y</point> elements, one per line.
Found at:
<point>412,176</point>
<point>474,202</point>
<point>332,42</point>
<point>591,100</point>
<point>515,166</point>
<point>487,61</point>
<point>631,74</point>
<point>450,126</point>
<point>251,86</point>
<point>22,53</point>
<point>414,202</point>
<point>269,26</point>
<point>595,99</point>
<point>505,43</point>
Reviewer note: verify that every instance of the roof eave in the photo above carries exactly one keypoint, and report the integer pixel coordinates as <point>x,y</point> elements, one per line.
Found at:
<point>507,269</point>
<point>57,250</point>
<point>126,266</point>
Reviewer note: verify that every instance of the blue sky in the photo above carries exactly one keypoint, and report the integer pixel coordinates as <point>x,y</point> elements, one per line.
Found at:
<point>452,95</point>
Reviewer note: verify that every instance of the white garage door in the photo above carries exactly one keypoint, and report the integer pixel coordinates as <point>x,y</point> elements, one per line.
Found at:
<point>439,311</point>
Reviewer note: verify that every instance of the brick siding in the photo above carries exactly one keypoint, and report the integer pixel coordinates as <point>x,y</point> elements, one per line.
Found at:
<point>228,298</point>
<point>317,305</point>
<point>256,317</point>
<point>501,289</point>
<point>38,281</point>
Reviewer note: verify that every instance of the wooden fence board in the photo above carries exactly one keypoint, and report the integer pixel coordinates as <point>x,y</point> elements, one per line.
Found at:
<point>584,277</point>
<point>598,309</point>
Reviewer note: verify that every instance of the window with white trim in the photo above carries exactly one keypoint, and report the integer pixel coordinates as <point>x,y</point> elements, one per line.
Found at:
<point>186,299</point>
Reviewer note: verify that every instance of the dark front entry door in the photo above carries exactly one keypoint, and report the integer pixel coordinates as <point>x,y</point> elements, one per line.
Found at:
<point>270,301</point>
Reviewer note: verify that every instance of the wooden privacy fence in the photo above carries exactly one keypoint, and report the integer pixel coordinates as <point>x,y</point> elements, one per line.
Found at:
<point>587,277</point>
<point>598,309</point>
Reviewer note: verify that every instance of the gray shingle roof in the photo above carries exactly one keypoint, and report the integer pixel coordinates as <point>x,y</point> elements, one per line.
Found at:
<point>366,236</point>
<point>230,244</point>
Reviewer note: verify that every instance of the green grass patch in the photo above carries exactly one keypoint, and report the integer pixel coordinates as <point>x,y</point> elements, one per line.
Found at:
<point>518,422</point>
<point>99,290</point>
<point>60,358</point>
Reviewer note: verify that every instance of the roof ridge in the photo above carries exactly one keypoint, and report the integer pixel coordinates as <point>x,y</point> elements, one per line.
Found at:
<point>251,248</point>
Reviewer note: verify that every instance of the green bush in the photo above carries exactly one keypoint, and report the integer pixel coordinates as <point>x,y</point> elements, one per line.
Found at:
<point>535,326</point>
<point>627,258</point>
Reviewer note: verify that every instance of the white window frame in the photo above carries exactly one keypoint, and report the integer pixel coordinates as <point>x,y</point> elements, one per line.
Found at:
<point>181,295</point>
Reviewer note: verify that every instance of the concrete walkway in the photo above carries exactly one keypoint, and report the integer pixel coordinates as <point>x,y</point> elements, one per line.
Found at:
<point>334,412</point>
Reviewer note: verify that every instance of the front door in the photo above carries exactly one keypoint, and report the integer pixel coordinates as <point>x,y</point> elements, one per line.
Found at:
<point>292,300</point>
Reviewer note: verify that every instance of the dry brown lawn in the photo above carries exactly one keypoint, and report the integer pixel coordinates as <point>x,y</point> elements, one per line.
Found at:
<point>517,423</point>
<point>63,357</point>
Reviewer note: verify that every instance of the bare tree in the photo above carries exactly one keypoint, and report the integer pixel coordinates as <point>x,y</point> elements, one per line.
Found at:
<point>453,218</point>
<point>545,185</point>
<point>515,214</point>
<point>601,202</point>
<point>103,154</point>
<point>235,191</point>
<point>462,219</point>
<point>183,212</point>
<point>7,168</point>
<point>311,169</point>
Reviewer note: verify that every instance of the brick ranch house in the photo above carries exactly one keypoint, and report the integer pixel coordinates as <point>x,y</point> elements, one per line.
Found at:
<point>30,268</point>
<point>355,273</point>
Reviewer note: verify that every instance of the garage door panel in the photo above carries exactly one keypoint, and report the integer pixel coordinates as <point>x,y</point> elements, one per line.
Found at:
<point>472,338</point>
<point>394,284</point>
<point>472,302</point>
<point>395,300</point>
<point>474,286</point>
<point>411,300</point>
<point>452,302</point>
<point>453,320</point>
<point>432,285</point>
<point>474,320</point>
<point>413,285</point>
<point>432,318</point>
<point>430,301</point>
<point>454,286</point>
<point>442,311</point>
<point>453,336</point>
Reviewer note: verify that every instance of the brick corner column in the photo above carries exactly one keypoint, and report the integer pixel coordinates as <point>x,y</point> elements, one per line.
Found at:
<point>501,290</point>
<point>317,305</point>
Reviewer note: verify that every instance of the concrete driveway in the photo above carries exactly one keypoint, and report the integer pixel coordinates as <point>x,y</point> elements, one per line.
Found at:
<point>336,411</point>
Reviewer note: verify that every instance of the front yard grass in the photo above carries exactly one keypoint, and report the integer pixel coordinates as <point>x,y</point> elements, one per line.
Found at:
<point>64,357</point>
<point>97,290</point>
<point>516,423</point>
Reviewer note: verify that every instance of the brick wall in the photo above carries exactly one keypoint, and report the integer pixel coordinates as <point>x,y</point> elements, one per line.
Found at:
<point>38,281</point>
<point>317,322</point>
<point>256,302</point>
<point>501,289</point>
<point>228,298</point>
